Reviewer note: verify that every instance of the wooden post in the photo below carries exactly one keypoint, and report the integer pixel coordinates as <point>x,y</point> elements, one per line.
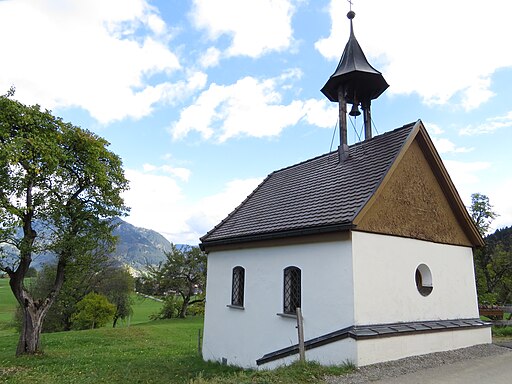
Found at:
<point>342,109</point>
<point>300,330</point>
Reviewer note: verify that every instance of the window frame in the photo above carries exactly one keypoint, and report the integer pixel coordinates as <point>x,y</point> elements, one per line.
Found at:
<point>238,287</point>
<point>423,280</point>
<point>292,290</point>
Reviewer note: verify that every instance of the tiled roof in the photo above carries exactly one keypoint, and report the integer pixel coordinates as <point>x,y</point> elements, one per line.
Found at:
<point>316,193</point>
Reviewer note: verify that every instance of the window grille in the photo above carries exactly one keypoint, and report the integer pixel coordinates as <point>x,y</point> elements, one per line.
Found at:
<point>237,288</point>
<point>291,296</point>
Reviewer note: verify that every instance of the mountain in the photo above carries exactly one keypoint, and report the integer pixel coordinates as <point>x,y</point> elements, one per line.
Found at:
<point>138,247</point>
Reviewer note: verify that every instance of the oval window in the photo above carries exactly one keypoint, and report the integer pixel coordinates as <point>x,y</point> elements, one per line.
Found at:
<point>423,279</point>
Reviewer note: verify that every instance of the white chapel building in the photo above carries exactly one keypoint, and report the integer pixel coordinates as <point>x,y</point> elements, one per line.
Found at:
<point>372,242</point>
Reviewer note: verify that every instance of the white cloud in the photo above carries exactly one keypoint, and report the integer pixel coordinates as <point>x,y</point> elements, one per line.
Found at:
<point>433,128</point>
<point>95,54</point>
<point>444,51</point>
<point>444,145</point>
<point>179,172</point>
<point>465,175</point>
<point>250,107</point>
<point>321,113</point>
<point>210,210</point>
<point>210,58</point>
<point>502,203</point>
<point>477,93</point>
<point>489,126</point>
<point>159,203</point>
<point>256,27</point>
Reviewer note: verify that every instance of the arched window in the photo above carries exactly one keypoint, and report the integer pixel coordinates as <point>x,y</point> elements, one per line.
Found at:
<point>237,287</point>
<point>291,290</point>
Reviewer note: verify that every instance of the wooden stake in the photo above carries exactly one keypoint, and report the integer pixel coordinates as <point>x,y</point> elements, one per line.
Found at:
<point>300,330</point>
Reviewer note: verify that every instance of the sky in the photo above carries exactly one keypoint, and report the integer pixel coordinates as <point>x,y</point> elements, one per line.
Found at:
<point>203,99</point>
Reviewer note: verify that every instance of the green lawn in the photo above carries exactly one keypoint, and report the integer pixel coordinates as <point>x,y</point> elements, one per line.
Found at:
<point>7,308</point>
<point>142,308</point>
<point>142,351</point>
<point>159,352</point>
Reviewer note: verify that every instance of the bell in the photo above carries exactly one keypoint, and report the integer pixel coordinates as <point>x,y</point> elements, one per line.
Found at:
<point>354,111</point>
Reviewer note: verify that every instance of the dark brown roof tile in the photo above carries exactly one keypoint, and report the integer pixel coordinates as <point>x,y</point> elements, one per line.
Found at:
<point>319,192</point>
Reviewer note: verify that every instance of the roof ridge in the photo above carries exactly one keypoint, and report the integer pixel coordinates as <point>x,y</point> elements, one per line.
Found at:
<point>354,146</point>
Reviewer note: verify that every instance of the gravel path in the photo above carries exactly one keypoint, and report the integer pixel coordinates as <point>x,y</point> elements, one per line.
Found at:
<point>400,367</point>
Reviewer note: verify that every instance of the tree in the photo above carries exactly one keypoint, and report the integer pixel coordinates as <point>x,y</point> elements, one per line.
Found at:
<point>184,272</point>
<point>493,262</point>
<point>59,188</point>
<point>117,284</point>
<point>493,266</point>
<point>88,274</point>
<point>481,212</point>
<point>93,311</point>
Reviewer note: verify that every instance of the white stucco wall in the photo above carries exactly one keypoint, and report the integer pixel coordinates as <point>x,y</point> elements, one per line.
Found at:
<point>243,336</point>
<point>357,279</point>
<point>340,352</point>
<point>384,280</point>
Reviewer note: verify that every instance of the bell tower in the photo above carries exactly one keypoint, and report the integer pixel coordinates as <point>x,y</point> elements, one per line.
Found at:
<point>354,82</point>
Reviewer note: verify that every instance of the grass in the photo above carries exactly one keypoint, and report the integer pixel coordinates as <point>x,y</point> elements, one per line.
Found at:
<point>142,308</point>
<point>159,352</point>
<point>140,351</point>
<point>295,373</point>
<point>7,308</point>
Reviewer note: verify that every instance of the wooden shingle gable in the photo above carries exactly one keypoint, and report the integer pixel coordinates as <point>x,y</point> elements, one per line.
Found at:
<point>417,198</point>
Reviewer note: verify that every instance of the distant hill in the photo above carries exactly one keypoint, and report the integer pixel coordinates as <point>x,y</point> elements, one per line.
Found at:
<point>136,247</point>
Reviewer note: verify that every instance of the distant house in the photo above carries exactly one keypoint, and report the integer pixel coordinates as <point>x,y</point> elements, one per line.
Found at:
<point>372,242</point>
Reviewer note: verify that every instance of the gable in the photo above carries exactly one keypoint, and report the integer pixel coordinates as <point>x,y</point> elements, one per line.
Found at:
<point>412,203</point>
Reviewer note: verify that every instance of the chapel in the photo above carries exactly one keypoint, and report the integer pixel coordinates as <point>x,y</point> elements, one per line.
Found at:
<point>370,245</point>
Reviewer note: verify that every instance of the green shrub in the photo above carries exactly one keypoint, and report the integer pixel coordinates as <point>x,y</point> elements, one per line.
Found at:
<point>170,308</point>
<point>502,331</point>
<point>196,309</point>
<point>93,311</point>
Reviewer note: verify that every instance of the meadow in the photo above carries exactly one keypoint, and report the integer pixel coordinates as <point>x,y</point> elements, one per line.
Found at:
<point>137,351</point>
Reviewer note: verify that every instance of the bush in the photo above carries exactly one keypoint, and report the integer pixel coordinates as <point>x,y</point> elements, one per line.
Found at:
<point>196,309</point>
<point>502,331</point>
<point>170,308</point>
<point>93,311</point>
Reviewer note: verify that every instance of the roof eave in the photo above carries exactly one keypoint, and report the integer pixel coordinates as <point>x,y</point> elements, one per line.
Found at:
<point>205,244</point>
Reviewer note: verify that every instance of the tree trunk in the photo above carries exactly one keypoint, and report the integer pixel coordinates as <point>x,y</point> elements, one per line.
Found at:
<point>32,325</point>
<point>184,306</point>
<point>33,311</point>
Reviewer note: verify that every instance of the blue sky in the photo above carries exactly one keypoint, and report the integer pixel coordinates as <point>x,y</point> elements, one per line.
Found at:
<point>202,99</point>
